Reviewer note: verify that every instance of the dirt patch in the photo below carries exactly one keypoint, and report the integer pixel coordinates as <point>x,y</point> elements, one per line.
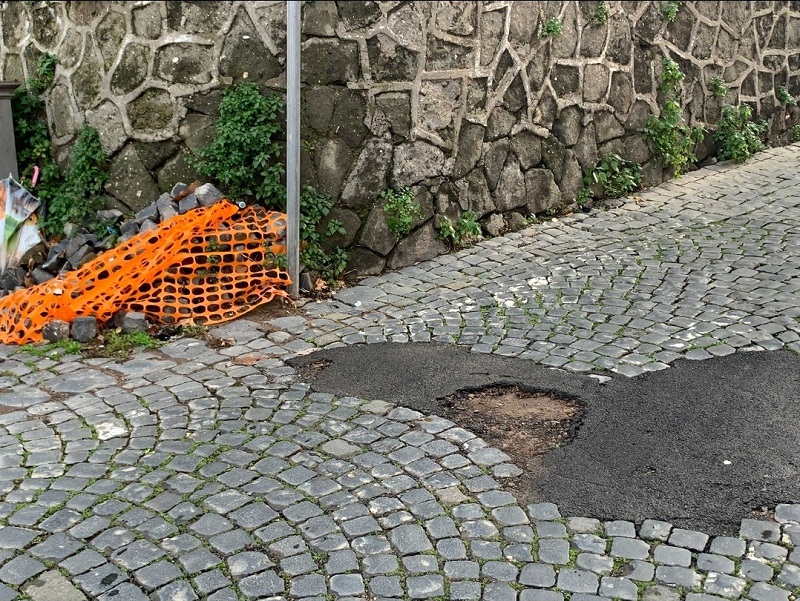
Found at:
<point>6,409</point>
<point>763,513</point>
<point>309,371</point>
<point>524,424</point>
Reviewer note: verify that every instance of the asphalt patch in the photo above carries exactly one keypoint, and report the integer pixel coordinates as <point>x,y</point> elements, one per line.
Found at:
<point>703,444</point>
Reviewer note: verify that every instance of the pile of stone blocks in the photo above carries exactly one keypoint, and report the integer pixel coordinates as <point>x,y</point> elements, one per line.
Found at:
<point>111,227</point>
<point>85,328</point>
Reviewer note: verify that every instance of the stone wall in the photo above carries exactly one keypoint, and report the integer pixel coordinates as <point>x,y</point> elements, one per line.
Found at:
<point>462,101</point>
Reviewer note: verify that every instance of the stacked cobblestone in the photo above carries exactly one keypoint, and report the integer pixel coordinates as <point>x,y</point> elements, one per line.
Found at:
<point>108,228</point>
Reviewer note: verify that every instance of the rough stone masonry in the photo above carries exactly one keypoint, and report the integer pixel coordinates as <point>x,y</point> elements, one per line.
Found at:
<point>465,102</point>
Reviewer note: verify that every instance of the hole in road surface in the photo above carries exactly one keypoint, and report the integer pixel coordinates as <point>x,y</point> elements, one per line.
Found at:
<point>523,424</point>
<point>310,370</point>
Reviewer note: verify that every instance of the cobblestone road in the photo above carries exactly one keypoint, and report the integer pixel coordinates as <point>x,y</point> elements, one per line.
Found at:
<point>197,472</point>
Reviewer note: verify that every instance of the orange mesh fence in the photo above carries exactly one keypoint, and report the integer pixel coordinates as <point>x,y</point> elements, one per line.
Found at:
<point>206,266</point>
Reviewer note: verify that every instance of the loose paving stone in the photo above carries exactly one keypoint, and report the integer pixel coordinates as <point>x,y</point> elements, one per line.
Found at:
<point>761,591</point>
<point>707,562</point>
<point>760,530</point>
<point>190,472</point>
<point>554,551</point>
<point>595,563</point>
<point>538,575</point>
<point>620,528</point>
<point>20,569</point>
<point>756,570</point>
<point>655,530</point>
<point>630,548</point>
<point>675,576</point>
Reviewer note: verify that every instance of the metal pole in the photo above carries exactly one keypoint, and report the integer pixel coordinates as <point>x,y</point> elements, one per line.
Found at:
<point>293,143</point>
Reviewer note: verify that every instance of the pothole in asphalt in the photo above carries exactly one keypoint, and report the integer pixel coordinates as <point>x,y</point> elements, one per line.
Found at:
<point>524,424</point>
<point>310,370</point>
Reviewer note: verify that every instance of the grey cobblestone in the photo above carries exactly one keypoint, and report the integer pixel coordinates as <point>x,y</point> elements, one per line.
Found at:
<point>707,562</point>
<point>696,541</point>
<point>181,474</point>
<point>672,556</point>
<point>756,570</point>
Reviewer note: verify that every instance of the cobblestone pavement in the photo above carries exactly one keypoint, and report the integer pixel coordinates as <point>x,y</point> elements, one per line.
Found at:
<point>197,471</point>
<point>699,267</point>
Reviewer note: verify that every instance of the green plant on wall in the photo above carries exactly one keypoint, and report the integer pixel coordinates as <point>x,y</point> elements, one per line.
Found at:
<point>465,231</point>
<point>737,136</point>
<point>552,28</point>
<point>784,97</point>
<point>600,16</point>
<point>314,207</point>
<point>79,196</point>
<point>615,175</point>
<point>244,159</point>
<point>45,73</point>
<point>717,87</point>
<point>671,77</point>
<point>75,195</point>
<point>244,156</point>
<point>669,10</point>
<point>796,133</point>
<point>671,138</point>
<point>401,210</point>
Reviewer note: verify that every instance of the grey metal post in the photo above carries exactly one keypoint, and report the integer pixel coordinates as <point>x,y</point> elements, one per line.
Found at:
<point>8,150</point>
<point>293,143</point>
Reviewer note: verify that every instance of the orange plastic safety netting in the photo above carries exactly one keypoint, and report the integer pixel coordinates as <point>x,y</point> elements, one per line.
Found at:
<point>206,266</point>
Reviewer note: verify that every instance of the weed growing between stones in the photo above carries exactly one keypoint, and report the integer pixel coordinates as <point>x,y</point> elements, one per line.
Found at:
<point>600,16</point>
<point>671,138</point>
<point>48,351</point>
<point>737,137</point>
<point>717,87</point>
<point>552,28</point>
<point>613,177</point>
<point>314,207</point>
<point>401,210</point>
<point>465,231</point>
<point>244,158</point>
<point>784,97</point>
<point>671,77</point>
<point>79,197</point>
<point>117,344</point>
<point>669,10</point>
